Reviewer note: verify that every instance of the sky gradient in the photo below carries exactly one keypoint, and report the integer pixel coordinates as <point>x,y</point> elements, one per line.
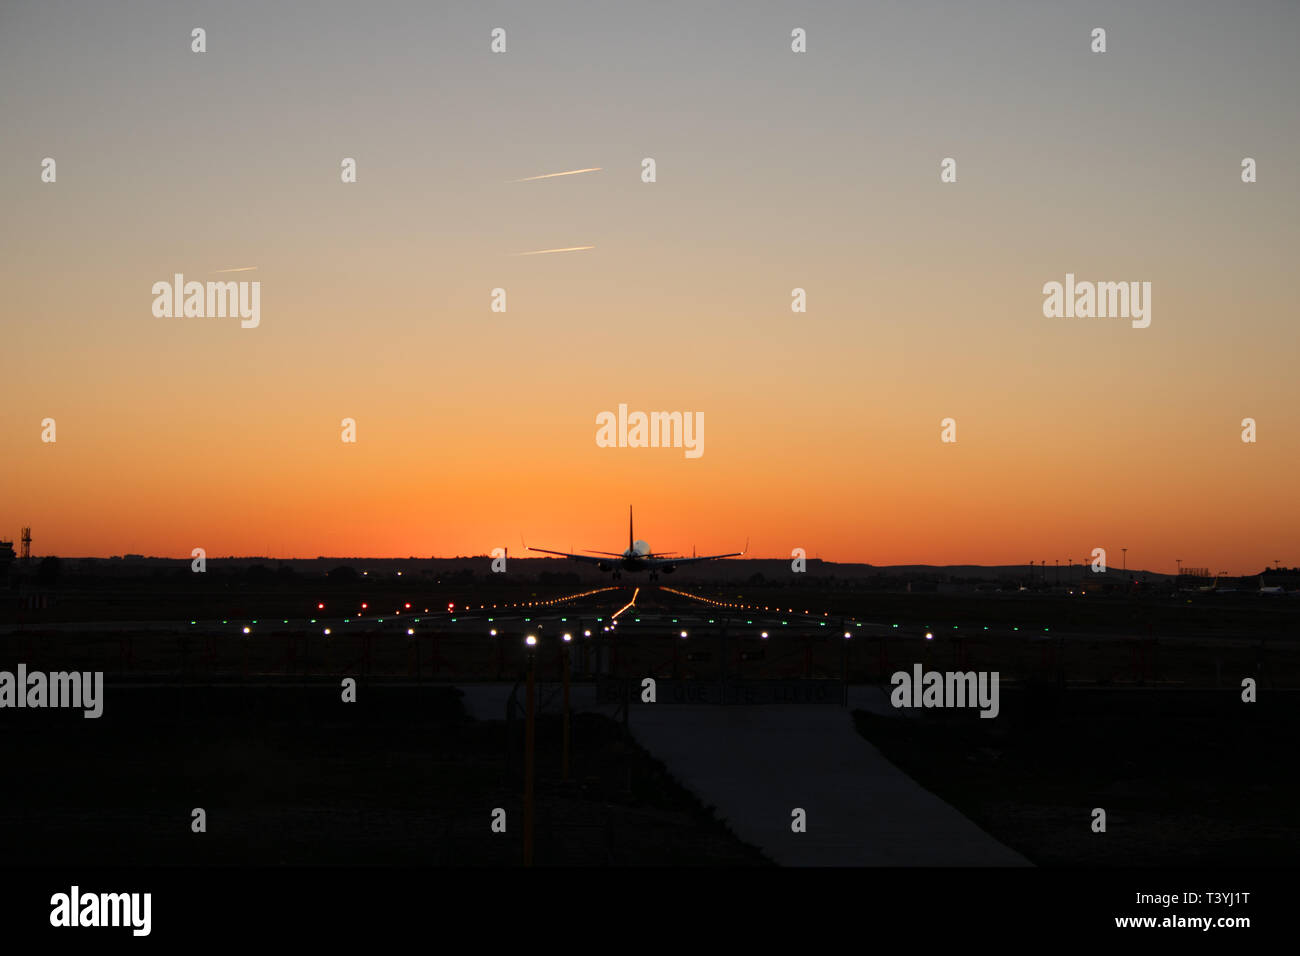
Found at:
<point>775,170</point>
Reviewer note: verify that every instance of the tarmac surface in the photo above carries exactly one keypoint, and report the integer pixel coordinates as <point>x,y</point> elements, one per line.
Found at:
<point>756,765</point>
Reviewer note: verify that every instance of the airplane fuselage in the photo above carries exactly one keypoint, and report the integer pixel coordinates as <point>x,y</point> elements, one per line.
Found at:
<point>634,559</point>
<point>638,557</point>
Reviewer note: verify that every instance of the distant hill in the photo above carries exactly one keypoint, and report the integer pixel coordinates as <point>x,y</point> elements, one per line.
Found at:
<point>744,569</point>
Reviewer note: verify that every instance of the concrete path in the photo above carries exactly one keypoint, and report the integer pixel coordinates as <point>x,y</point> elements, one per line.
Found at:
<point>755,765</point>
<point>874,700</point>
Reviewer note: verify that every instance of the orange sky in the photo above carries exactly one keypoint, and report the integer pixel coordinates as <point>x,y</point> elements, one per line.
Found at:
<point>821,429</point>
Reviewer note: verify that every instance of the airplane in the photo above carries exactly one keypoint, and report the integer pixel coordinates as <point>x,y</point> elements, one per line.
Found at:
<point>638,557</point>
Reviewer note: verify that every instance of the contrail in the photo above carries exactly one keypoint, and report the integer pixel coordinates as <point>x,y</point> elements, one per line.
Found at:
<point>241,269</point>
<point>571,172</point>
<point>542,252</point>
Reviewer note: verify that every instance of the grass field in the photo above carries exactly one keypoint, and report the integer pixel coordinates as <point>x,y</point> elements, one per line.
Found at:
<point>1185,777</point>
<point>290,775</point>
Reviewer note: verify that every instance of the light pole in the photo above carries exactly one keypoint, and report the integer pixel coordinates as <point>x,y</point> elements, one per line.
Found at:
<point>564,655</point>
<point>844,668</point>
<point>1125,550</point>
<point>529,741</point>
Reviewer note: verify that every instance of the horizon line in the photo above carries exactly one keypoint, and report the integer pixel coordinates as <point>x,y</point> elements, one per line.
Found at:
<point>487,556</point>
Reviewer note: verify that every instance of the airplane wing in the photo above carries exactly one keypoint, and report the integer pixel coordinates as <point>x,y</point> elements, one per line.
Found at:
<point>589,558</point>
<point>660,562</point>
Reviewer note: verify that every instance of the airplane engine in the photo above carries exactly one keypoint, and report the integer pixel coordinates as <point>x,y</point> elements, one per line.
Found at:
<point>668,569</point>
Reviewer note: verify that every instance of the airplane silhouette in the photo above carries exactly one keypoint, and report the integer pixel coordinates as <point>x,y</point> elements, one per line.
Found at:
<point>638,557</point>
